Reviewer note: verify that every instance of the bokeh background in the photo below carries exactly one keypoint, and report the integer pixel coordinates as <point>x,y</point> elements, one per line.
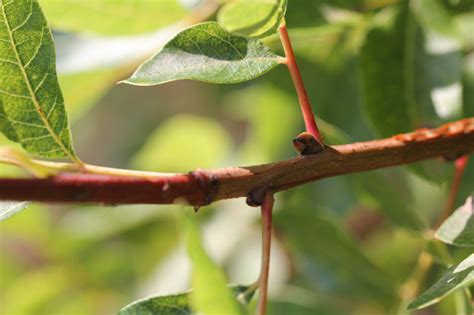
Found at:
<point>343,245</point>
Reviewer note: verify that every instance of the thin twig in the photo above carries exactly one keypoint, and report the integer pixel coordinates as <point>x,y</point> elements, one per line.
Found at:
<point>266,209</point>
<point>303,98</point>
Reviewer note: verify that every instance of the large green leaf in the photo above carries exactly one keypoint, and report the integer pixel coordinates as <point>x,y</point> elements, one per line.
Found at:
<point>177,304</point>
<point>458,229</point>
<point>455,278</point>
<point>206,52</point>
<point>112,17</point>
<point>252,18</point>
<point>10,208</point>
<point>211,294</point>
<point>31,104</point>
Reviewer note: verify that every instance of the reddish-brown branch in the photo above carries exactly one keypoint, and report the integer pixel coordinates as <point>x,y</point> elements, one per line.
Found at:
<point>303,98</point>
<point>203,187</point>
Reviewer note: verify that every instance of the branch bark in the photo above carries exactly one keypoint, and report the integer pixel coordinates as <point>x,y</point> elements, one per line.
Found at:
<point>201,187</point>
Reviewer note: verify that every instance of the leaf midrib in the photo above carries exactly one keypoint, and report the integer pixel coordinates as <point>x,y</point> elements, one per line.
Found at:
<point>30,89</point>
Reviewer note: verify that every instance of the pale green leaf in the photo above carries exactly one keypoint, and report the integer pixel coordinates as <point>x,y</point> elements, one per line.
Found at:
<point>10,208</point>
<point>31,104</point>
<point>252,18</point>
<point>177,304</point>
<point>206,52</point>
<point>118,17</point>
<point>458,229</point>
<point>211,294</point>
<point>455,278</point>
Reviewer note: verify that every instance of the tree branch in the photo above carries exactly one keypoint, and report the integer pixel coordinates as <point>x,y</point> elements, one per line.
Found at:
<point>203,187</point>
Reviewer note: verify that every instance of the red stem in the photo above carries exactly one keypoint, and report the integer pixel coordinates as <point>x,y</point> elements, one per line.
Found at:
<point>303,98</point>
<point>459,167</point>
<point>267,208</point>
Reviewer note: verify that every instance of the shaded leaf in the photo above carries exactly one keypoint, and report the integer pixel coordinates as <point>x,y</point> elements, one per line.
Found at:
<point>112,17</point>
<point>456,277</point>
<point>322,241</point>
<point>458,229</point>
<point>31,104</point>
<point>252,18</point>
<point>211,294</point>
<point>388,196</point>
<point>206,52</point>
<point>177,304</point>
<point>10,208</point>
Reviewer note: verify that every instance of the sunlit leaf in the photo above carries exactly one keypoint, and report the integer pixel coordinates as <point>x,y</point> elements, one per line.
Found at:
<point>206,52</point>
<point>31,104</point>
<point>112,17</point>
<point>456,277</point>
<point>177,304</point>
<point>458,229</point>
<point>10,208</point>
<point>252,18</point>
<point>211,294</point>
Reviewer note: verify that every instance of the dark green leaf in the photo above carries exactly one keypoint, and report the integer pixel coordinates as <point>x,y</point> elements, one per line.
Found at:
<point>388,74</point>
<point>10,208</point>
<point>206,52</point>
<point>252,18</point>
<point>319,238</point>
<point>458,229</point>
<point>456,277</point>
<point>211,294</point>
<point>389,196</point>
<point>31,104</point>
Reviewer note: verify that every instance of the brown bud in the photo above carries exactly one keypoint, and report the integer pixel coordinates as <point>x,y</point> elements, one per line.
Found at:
<point>306,144</point>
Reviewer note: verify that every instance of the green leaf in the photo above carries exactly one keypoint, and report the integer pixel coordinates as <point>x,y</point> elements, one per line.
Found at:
<point>177,304</point>
<point>31,104</point>
<point>252,18</point>
<point>388,195</point>
<point>387,73</point>
<point>211,295</point>
<point>118,17</point>
<point>455,278</point>
<point>458,229</point>
<point>10,208</point>
<point>320,240</point>
<point>206,52</point>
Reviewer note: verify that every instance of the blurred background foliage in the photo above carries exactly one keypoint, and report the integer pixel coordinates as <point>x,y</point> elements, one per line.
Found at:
<point>343,245</point>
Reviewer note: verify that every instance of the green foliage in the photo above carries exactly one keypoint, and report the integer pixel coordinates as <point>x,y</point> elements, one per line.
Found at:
<point>177,304</point>
<point>262,17</point>
<point>458,229</point>
<point>455,278</point>
<point>206,52</point>
<point>117,17</point>
<point>211,295</point>
<point>10,208</point>
<point>31,104</point>
<point>344,245</point>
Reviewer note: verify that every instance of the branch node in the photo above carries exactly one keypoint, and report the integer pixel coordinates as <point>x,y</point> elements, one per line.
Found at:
<point>256,196</point>
<point>209,183</point>
<point>305,143</point>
